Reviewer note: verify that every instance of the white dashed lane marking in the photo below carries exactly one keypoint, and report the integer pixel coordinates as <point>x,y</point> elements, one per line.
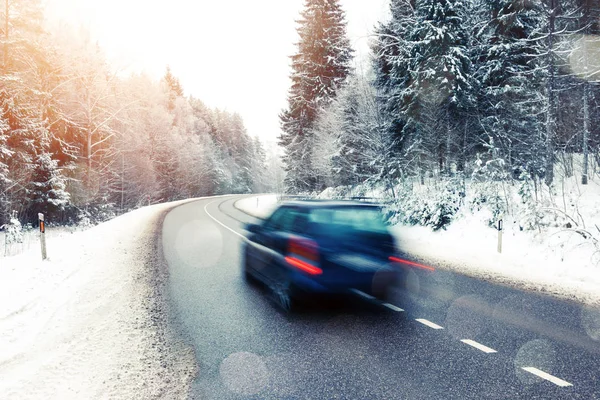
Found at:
<point>428,323</point>
<point>479,346</point>
<point>547,376</point>
<point>392,307</point>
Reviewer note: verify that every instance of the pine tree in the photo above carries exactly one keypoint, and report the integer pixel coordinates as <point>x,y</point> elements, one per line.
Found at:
<point>242,154</point>
<point>392,65</point>
<point>320,67</point>
<point>173,88</point>
<point>5,154</point>
<point>47,193</point>
<point>359,145</point>
<point>259,166</point>
<point>585,63</point>
<point>509,99</point>
<point>440,72</point>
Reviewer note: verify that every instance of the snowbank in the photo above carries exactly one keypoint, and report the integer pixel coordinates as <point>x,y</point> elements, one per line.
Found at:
<point>257,206</point>
<point>90,321</point>
<point>560,258</point>
<point>30,240</point>
<point>527,262</point>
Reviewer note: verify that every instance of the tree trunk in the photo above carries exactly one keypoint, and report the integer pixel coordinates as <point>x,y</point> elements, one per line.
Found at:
<point>448,145</point>
<point>550,112</point>
<point>586,133</point>
<point>462,165</point>
<point>88,177</point>
<point>586,113</point>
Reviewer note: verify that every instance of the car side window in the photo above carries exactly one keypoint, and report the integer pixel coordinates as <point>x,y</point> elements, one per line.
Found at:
<point>274,222</point>
<point>288,219</point>
<point>300,222</point>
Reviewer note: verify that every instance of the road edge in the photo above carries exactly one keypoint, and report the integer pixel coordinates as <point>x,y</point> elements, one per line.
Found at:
<point>177,356</point>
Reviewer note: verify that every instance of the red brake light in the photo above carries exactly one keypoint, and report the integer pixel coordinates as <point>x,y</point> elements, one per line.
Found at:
<point>412,264</point>
<point>304,266</point>
<point>304,248</point>
<point>304,255</point>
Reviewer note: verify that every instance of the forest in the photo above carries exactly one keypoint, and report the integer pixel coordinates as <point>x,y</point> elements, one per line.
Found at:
<point>487,103</point>
<point>83,141</point>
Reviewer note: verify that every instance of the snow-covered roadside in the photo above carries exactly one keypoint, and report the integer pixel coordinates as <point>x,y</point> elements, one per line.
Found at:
<point>257,206</point>
<point>469,247</point>
<point>91,321</point>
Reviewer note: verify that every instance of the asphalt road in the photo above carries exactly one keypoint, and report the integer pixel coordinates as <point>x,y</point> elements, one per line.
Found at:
<point>456,338</point>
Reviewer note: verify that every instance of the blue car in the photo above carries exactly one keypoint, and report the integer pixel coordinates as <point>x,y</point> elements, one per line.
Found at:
<point>306,248</point>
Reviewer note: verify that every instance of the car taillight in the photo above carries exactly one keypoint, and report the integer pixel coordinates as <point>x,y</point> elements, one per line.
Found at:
<point>410,263</point>
<point>303,254</point>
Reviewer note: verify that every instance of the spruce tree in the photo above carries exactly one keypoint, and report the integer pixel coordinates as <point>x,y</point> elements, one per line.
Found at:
<point>440,77</point>
<point>392,65</point>
<point>47,193</point>
<point>320,67</point>
<point>5,154</point>
<point>509,81</point>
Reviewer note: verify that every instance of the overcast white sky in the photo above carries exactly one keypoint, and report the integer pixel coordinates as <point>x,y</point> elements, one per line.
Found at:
<point>232,54</point>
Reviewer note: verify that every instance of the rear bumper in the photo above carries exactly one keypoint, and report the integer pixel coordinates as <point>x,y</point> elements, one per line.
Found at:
<point>376,284</point>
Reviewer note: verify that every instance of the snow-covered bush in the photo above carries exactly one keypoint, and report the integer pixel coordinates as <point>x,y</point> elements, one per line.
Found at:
<point>530,213</point>
<point>435,208</point>
<point>94,215</point>
<point>14,231</point>
<point>83,220</point>
<point>488,189</point>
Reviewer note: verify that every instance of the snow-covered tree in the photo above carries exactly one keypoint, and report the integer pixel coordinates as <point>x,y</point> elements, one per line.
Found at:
<point>392,66</point>
<point>320,67</point>
<point>350,146</point>
<point>47,193</point>
<point>510,101</point>
<point>441,74</point>
<point>258,170</point>
<point>5,154</point>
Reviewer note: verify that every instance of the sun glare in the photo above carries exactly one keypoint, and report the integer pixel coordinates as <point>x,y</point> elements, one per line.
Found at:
<point>233,54</point>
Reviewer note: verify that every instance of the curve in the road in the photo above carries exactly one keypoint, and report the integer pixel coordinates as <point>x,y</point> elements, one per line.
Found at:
<point>465,338</point>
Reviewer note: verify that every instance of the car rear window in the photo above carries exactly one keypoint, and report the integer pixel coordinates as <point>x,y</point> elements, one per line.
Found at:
<point>288,220</point>
<point>362,219</point>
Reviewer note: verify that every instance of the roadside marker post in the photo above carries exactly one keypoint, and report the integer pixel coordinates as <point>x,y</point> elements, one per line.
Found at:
<point>42,235</point>
<point>500,227</point>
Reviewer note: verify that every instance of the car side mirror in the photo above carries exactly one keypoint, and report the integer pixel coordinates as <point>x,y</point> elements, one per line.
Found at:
<point>253,228</point>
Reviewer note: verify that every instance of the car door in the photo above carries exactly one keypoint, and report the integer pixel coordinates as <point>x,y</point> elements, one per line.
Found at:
<point>292,224</point>
<point>260,242</point>
<point>272,241</point>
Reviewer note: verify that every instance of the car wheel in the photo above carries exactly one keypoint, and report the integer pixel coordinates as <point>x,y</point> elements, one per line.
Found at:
<point>248,277</point>
<point>283,295</point>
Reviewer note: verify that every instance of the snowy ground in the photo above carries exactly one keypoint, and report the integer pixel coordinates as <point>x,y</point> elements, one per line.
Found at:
<point>258,206</point>
<point>540,265</point>
<point>557,263</point>
<point>31,240</point>
<point>90,321</point>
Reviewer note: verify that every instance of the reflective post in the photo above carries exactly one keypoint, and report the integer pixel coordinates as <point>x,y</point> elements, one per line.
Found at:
<point>500,236</point>
<point>42,235</point>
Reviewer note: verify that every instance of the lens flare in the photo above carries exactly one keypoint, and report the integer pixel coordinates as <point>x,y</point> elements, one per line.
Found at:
<point>244,373</point>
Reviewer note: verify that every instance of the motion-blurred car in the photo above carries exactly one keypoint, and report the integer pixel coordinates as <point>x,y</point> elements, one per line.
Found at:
<point>321,247</point>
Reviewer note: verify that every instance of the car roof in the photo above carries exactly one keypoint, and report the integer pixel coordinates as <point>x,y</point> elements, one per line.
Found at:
<point>329,203</point>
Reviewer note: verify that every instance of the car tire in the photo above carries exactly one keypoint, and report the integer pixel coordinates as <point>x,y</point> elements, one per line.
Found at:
<point>283,295</point>
<point>248,277</point>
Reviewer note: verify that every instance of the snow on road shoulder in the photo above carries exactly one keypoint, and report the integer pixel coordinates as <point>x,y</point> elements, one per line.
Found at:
<point>90,321</point>
<point>539,264</point>
<point>257,206</point>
